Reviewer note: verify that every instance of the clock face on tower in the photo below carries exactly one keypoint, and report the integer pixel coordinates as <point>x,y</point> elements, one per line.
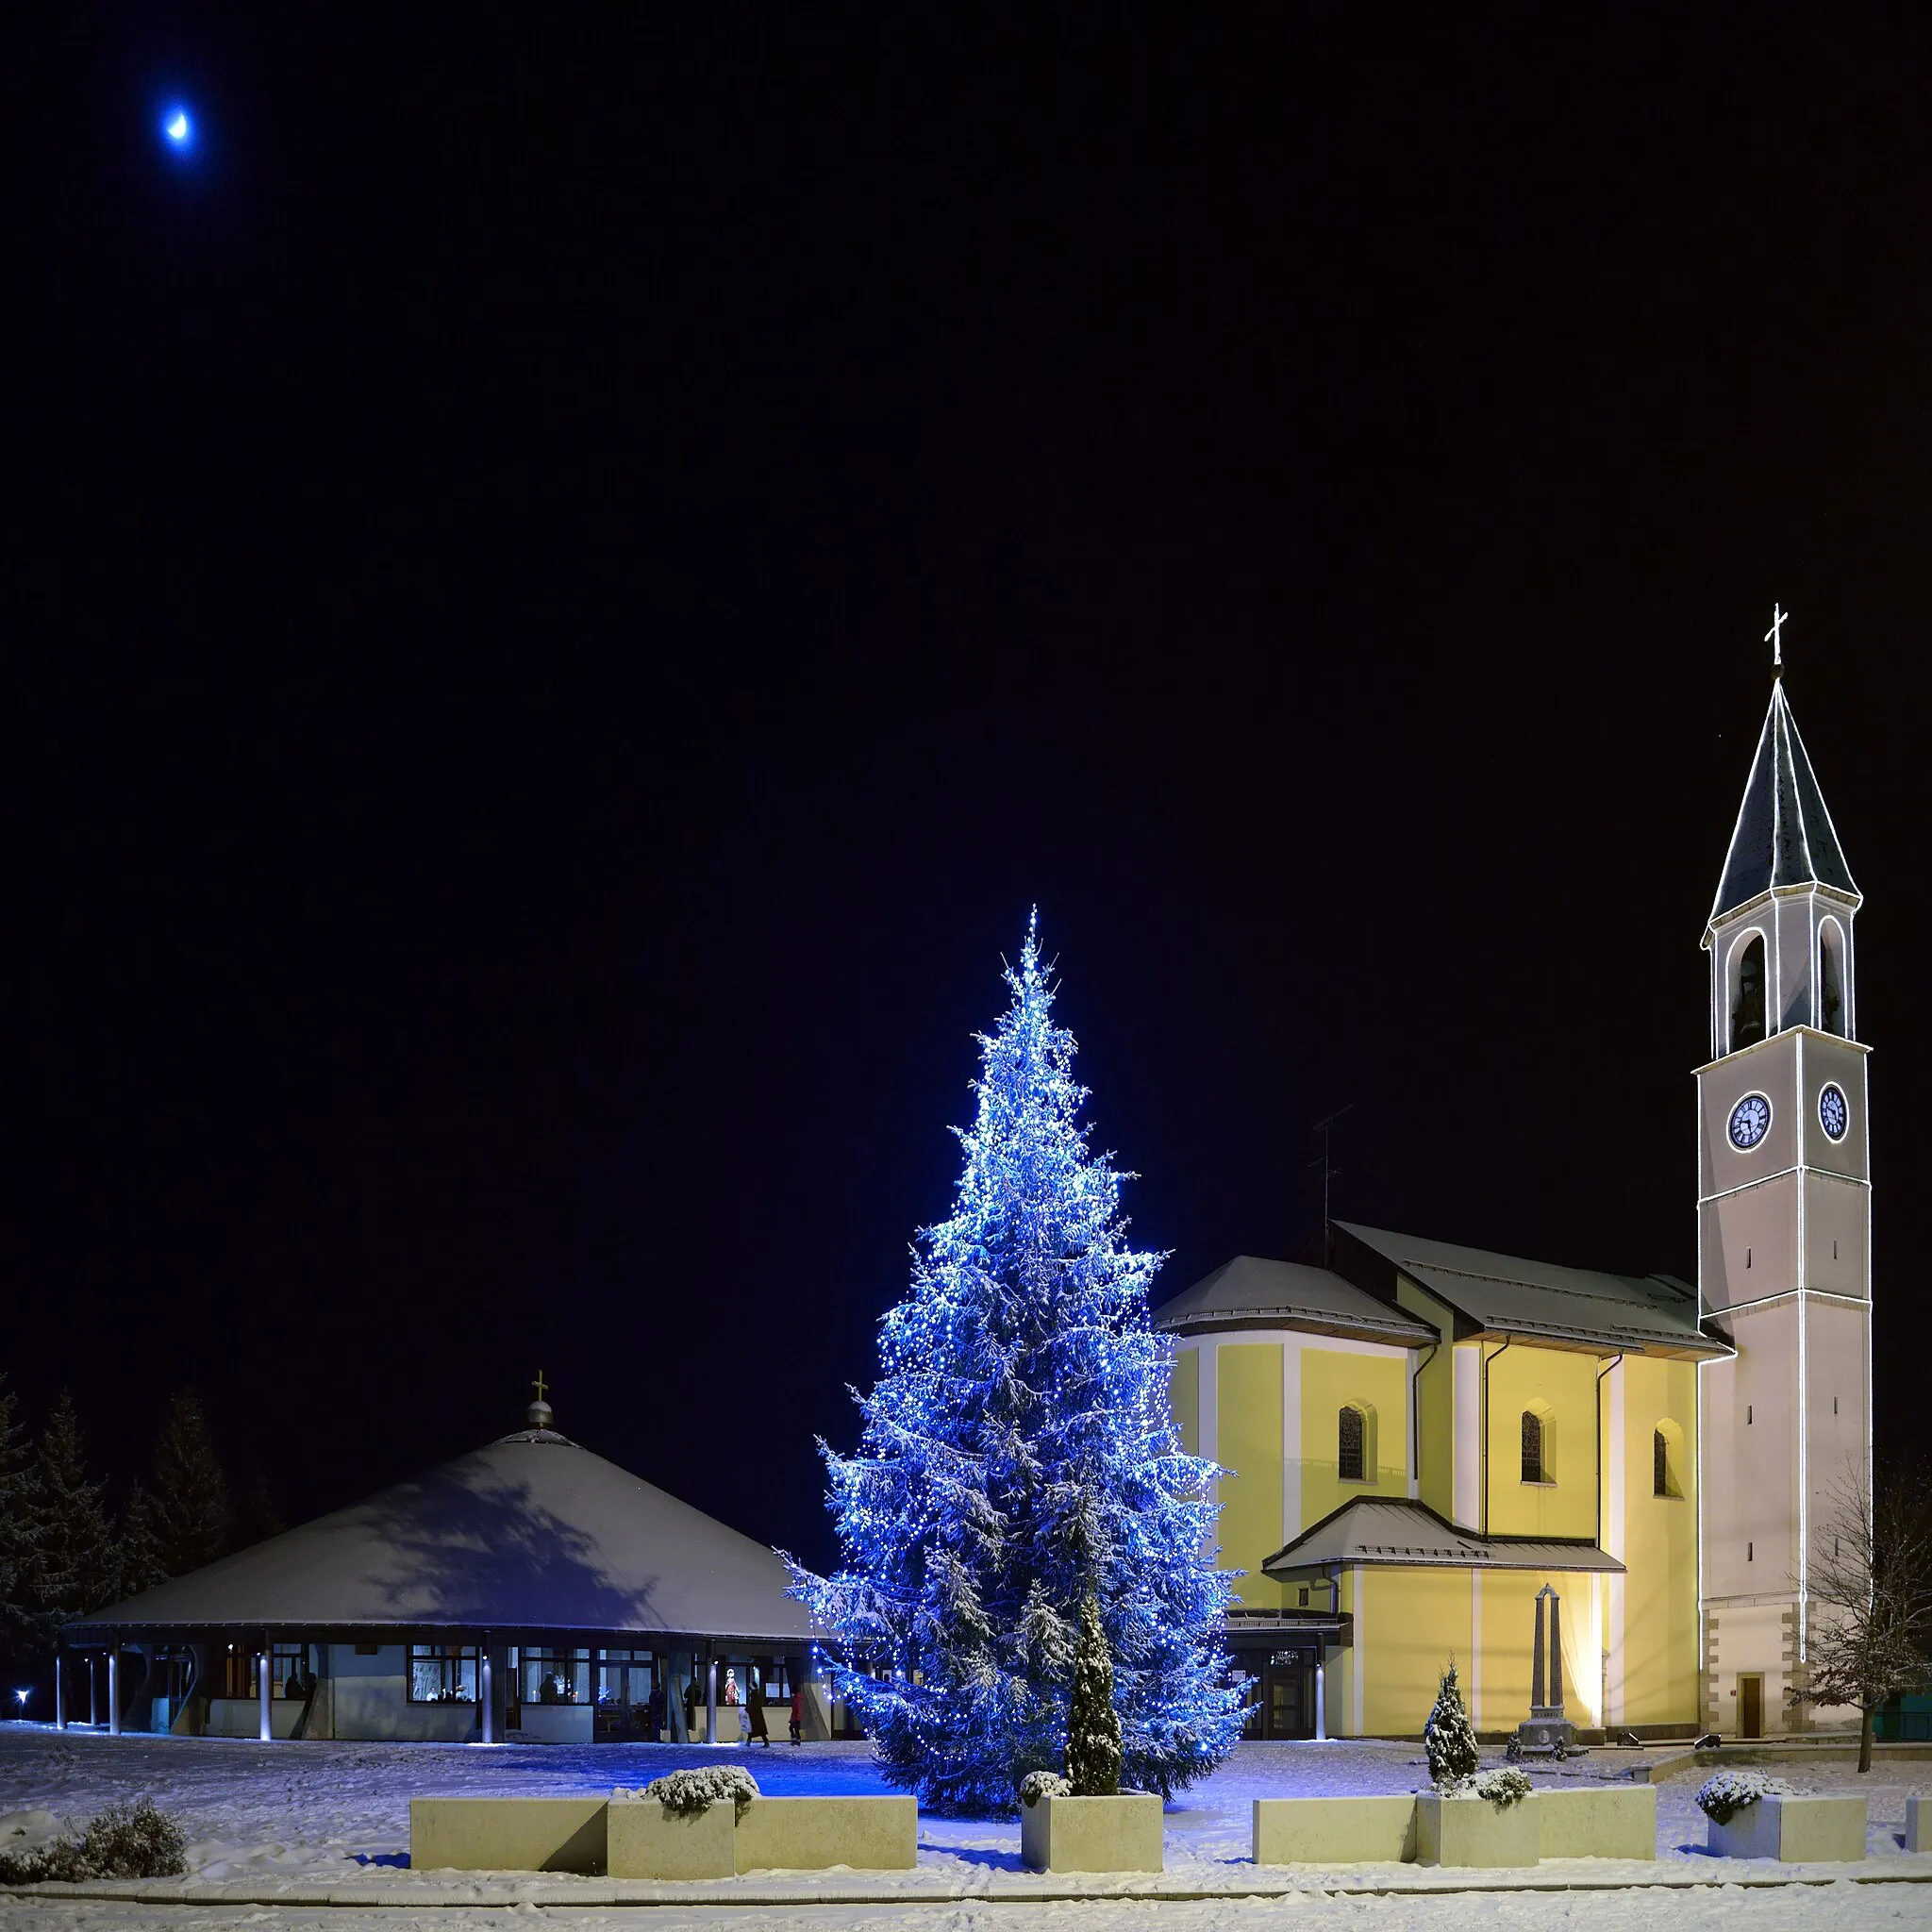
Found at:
<point>1750,1121</point>
<point>1833,1114</point>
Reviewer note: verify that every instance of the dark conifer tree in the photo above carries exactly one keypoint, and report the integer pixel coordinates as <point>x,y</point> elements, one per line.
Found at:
<point>255,1520</point>
<point>138,1552</point>
<point>79,1568</point>
<point>20,1525</point>
<point>191,1498</point>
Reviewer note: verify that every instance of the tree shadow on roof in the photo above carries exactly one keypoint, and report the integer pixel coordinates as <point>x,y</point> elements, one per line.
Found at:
<point>464,1546</point>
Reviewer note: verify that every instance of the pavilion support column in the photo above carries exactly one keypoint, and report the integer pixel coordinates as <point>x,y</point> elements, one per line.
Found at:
<point>711,1695</point>
<point>264,1665</point>
<point>486,1685</point>
<point>1321,1693</point>
<point>59,1689</point>
<point>114,1690</point>
<point>93,1694</point>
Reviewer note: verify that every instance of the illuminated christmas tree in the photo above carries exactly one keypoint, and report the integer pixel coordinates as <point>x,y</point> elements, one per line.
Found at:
<point>1018,1455</point>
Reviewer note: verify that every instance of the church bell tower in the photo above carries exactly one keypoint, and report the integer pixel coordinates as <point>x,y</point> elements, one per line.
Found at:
<point>1784,1237</point>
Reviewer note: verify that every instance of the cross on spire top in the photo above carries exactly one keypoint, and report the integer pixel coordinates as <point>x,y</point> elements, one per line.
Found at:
<point>1773,636</point>
<point>539,1385</point>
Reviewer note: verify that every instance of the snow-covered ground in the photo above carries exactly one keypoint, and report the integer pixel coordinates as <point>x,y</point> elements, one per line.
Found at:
<point>337,1814</point>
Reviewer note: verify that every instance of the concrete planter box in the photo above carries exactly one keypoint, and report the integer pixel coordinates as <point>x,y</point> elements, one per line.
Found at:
<point>813,1833</point>
<point>1473,1831</point>
<point>1597,1822</point>
<point>1794,1830</point>
<point>507,1834</point>
<point>1334,1831</point>
<point>1918,1826</point>
<point>648,1841</point>
<point>1091,1834</point>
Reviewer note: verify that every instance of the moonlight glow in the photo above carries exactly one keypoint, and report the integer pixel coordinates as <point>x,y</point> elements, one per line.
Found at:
<point>178,128</point>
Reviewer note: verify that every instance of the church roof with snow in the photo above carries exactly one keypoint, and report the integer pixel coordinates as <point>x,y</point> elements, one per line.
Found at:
<point>1784,835</point>
<point>1249,1292</point>
<point>531,1533</point>
<point>1540,1301</point>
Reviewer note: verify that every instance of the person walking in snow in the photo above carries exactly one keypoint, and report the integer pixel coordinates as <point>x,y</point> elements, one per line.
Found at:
<point>754,1712</point>
<point>798,1713</point>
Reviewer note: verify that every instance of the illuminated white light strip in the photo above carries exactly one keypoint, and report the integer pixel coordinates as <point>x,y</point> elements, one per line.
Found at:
<point>1804,1380</point>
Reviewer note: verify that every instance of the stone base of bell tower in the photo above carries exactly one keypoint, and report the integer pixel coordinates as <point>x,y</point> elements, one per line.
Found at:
<point>1751,1670</point>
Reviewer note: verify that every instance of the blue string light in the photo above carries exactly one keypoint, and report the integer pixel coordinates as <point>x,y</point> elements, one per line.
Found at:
<point>1018,1449</point>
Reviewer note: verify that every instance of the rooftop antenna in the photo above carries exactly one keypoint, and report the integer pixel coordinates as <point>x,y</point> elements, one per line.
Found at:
<point>1329,1172</point>
<point>1774,638</point>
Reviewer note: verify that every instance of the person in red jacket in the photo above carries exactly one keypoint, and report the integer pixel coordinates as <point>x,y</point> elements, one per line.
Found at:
<point>798,1713</point>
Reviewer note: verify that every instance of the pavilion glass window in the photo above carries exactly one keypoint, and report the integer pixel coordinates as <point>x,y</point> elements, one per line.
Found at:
<point>443,1672</point>
<point>290,1670</point>
<point>1352,1447</point>
<point>1533,1447</point>
<point>554,1677</point>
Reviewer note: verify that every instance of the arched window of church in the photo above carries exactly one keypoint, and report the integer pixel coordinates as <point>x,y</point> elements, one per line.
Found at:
<point>1352,1449</point>
<point>1667,1460</point>
<point>1831,977</point>
<point>1747,994</point>
<point>1532,1446</point>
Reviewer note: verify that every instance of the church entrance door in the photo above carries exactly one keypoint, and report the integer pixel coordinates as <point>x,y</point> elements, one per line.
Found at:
<point>1289,1695</point>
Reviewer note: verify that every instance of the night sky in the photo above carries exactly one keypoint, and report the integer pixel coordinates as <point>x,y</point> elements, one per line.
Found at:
<point>567,588</point>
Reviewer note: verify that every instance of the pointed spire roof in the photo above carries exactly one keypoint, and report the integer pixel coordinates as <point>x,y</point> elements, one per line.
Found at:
<point>1784,835</point>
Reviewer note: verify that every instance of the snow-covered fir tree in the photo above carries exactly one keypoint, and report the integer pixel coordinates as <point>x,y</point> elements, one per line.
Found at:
<point>1018,1453</point>
<point>1449,1738</point>
<point>1094,1725</point>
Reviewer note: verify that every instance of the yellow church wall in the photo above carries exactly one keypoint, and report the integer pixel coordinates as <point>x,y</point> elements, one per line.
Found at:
<point>1660,1670</point>
<point>1184,1398</point>
<point>1247,1412</point>
<point>1562,1387</point>
<point>1434,1399</point>
<point>1502,1673</point>
<point>1331,1378</point>
<point>1409,1622</point>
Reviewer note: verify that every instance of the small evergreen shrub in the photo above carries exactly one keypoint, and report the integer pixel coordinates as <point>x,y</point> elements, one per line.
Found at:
<point>1036,1784</point>
<point>1721,1798</point>
<point>692,1793</point>
<point>1503,1788</point>
<point>136,1840</point>
<point>1094,1725</point>
<point>1448,1738</point>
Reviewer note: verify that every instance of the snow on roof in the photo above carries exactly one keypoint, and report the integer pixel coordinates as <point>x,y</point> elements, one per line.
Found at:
<point>1654,1314</point>
<point>531,1533</point>
<point>1252,1292</point>
<point>1386,1531</point>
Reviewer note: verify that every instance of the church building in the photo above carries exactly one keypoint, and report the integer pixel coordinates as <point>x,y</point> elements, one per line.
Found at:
<point>1421,1439</point>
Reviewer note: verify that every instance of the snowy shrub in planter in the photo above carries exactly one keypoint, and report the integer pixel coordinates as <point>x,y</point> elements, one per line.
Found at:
<point>124,1841</point>
<point>1722,1797</point>
<point>690,1793</point>
<point>1502,1787</point>
<point>1036,1784</point>
<point>1448,1738</point>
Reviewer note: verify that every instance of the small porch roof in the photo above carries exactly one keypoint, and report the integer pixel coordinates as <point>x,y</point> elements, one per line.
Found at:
<point>1389,1532</point>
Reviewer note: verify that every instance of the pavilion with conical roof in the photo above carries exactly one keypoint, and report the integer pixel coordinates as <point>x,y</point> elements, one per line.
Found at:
<point>530,1588</point>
